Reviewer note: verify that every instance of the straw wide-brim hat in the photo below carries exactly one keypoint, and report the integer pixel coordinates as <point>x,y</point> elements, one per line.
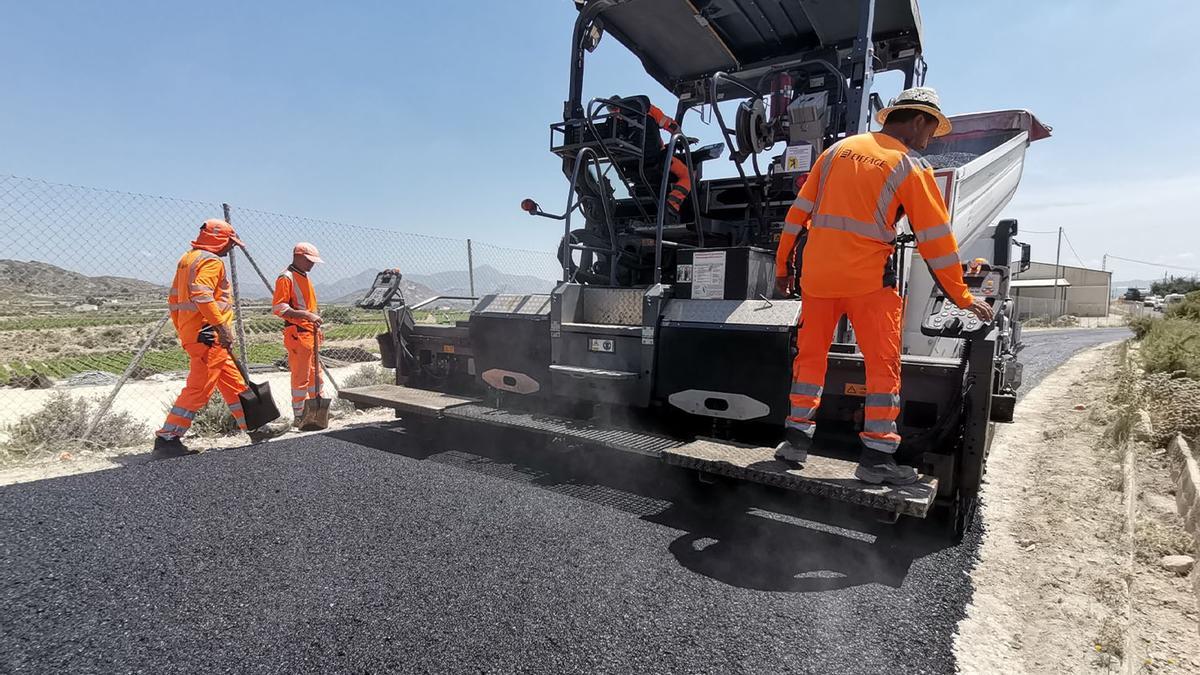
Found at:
<point>924,99</point>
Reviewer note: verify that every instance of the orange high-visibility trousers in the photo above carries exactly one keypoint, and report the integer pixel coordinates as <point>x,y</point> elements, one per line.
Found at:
<point>681,184</point>
<point>300,346</point>
<point>210,368</point>
<point>876,318</point>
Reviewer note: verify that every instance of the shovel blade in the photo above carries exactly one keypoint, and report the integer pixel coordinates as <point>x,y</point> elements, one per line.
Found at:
<point>315,416</point>
<point>258,405</point>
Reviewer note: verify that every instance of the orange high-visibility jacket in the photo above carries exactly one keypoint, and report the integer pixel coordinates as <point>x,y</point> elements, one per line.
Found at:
<point>857,190</point>
<point>294,290</point>
<point>663,121</point>
<point>199,295</point>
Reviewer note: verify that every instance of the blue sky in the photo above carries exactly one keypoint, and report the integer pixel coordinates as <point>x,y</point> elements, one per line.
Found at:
<point>433,117</point>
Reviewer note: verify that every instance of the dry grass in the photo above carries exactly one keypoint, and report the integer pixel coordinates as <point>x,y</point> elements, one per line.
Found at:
<point>59,424</point>
<point>1154,539</point>
<point>214,419</point>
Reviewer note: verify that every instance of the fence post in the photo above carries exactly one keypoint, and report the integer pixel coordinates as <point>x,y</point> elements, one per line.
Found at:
<point>133,363</point>
<point>237,295</point>
<point>470,269</point>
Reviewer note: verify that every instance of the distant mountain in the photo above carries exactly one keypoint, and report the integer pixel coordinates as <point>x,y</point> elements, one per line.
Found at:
<point>38,280</point>
<point>1118,287</point>
<point>350,290</point>
<point>418,287</point>
<point>487,280</point>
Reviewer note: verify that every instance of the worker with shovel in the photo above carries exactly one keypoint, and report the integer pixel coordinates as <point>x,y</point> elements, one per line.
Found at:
<point>295,302</point>
<point>199,302</point>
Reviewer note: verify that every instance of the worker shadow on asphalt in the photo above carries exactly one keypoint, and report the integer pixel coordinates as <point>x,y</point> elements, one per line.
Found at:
<point>744,535</point>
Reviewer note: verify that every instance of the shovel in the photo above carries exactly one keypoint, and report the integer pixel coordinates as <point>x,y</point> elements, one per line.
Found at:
<point>315,415</point>
<point>257,403</point>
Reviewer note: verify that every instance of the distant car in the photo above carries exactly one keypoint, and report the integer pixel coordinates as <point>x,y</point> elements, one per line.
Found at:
<point>1148,302</point>
<point>1173,298</point>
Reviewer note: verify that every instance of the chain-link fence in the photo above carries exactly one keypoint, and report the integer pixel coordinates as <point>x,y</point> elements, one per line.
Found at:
<point>83,277</point>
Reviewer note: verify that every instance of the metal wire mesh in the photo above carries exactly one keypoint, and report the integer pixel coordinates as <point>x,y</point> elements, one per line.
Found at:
<point>83,282</point>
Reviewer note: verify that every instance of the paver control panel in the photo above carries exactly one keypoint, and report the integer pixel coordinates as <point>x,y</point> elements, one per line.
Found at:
<point>945,319</point>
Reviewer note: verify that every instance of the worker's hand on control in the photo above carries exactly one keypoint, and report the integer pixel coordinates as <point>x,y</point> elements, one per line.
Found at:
<point>313,318</point>
<point>225,335</point>
<point>981,309</point>
<point>783,286</point>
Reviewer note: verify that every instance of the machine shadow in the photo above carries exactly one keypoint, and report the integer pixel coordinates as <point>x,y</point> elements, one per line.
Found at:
<point>744,535</point>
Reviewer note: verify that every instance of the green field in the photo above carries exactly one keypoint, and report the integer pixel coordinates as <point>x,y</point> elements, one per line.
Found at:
<point>114,352</point>
<point>157,361</point>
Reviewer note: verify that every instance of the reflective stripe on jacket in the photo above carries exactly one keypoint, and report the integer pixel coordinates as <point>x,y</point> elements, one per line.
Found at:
<point>199,294</point>
<point>294,290</point>
<point>857,191</point>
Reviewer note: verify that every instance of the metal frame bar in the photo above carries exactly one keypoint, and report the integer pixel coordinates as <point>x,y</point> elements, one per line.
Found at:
<point>862,73</point>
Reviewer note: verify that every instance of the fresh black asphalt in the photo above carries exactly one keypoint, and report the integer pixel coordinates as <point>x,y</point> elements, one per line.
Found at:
<point>366,550</point>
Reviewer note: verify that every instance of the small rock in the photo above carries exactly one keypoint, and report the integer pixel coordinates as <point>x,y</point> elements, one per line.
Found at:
<point>66,457</point>
<point>1080,406</point>
<point>1179,564</point>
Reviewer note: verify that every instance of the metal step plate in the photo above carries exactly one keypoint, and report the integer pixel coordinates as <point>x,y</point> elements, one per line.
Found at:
<point>583,432</point>
<point>404,399</point>
<point>821,476</point>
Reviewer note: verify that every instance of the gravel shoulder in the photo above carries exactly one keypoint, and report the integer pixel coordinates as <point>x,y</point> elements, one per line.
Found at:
<point>1055,584</point>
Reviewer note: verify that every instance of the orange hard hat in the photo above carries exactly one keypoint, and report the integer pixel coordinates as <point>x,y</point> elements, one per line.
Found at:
<point>215,235</point>
<point>308,251</point>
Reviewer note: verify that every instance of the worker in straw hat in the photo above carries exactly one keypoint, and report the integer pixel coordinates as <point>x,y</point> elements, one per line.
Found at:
<point>295,302</point>
<point>849,205</point>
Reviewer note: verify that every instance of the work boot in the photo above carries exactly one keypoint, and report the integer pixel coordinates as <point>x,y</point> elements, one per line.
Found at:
<point>794,448</point>
<point>171,447</point>
<point>881,468</point>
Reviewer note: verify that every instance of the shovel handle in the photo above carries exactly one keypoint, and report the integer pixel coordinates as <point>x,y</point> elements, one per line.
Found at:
<point>317,358</point>
<point>240,366</point>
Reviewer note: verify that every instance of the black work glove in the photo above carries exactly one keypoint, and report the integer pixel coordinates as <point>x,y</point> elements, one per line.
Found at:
<point>207,335</point>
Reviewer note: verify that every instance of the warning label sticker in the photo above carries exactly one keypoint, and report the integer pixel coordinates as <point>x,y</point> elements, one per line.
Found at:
<point>708,275</point>
<point>797,158</point>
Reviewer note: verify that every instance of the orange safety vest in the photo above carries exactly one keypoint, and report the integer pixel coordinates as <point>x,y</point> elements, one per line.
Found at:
<point>198,294</point>
<point>851,201</point>
<point>294,290</point>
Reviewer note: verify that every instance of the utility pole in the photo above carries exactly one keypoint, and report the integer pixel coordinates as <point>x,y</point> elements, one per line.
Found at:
<point>1058,273</point>
<point>1104,263</point>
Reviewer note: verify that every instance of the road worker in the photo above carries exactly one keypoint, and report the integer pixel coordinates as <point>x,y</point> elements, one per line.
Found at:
<point>200,305</point>
<point>681,180</point>
<point>850,204</point>
<point>295,302</point>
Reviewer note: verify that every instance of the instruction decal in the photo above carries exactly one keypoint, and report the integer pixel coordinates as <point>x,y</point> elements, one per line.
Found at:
<point>798,158</point>
<point>708,275</point>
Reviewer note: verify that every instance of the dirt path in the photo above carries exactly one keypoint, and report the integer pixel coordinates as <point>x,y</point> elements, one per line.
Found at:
<point>1052,587</point>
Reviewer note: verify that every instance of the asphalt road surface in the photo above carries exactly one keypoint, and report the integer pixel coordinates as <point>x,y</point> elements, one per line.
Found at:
<point>366,551</point>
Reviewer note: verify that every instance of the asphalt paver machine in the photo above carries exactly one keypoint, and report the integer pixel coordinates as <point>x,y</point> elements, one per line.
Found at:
<point>663,336</point>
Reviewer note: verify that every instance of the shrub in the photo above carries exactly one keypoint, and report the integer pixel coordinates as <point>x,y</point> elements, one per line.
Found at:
<point>367,375</point>
<point>214,419</point>
<point>1188,309</point>
<point>1171,346</point>
<point>1140,326</point>
<point>60,423</point>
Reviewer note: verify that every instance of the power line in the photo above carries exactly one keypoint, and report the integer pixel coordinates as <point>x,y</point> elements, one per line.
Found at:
<point>1025,231</point>
<point>1081,264</point>
<point>1154,264</point>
